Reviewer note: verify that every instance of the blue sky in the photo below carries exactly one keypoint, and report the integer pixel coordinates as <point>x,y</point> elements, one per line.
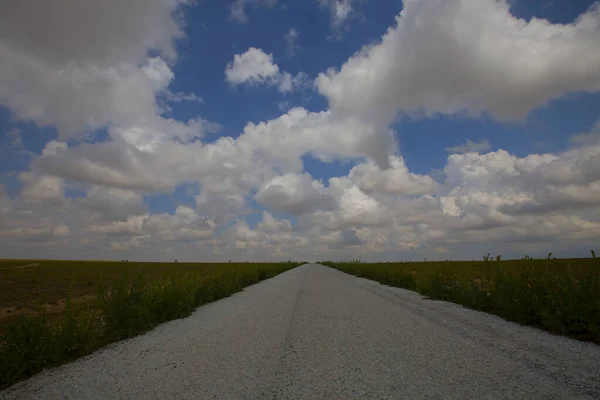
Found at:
<point>100,147</point>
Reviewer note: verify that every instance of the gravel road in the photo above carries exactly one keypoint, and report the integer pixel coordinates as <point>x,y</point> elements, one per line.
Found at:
<point>316,333</point>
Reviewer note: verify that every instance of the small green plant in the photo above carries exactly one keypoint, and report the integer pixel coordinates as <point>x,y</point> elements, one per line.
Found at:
<point>498,258</point>
<point>593,254</point>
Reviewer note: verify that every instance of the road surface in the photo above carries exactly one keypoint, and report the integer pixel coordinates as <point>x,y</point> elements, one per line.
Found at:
<point>316,333</point>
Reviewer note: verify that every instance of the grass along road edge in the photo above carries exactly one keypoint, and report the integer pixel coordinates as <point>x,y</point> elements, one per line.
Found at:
<point>126,306</point>
<point>558,296</point>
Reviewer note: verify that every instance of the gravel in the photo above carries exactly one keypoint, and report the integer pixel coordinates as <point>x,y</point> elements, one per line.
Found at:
<point>316,333</point>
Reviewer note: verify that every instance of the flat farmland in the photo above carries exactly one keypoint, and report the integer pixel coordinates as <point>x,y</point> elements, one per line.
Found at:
<point>561,296</point>
<point>28,286</point>
<point>317,333</point>
<point>52,312</point>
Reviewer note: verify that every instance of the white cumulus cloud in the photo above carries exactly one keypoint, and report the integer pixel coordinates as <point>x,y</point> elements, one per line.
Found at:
<point>470,146</point>
<point>64,64</point>
<point>256,67</point>
<point>465,58</point>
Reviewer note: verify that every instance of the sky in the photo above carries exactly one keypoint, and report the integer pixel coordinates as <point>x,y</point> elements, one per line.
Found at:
<point>265,130</point>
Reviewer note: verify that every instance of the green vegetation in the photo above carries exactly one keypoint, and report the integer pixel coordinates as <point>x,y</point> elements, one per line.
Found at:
<point>96,303</point>
<point>559,296</point>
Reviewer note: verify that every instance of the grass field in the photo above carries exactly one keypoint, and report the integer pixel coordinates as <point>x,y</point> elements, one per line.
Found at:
<point>27,286</point>
<point>52,312</point>
<point>560,296</point>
